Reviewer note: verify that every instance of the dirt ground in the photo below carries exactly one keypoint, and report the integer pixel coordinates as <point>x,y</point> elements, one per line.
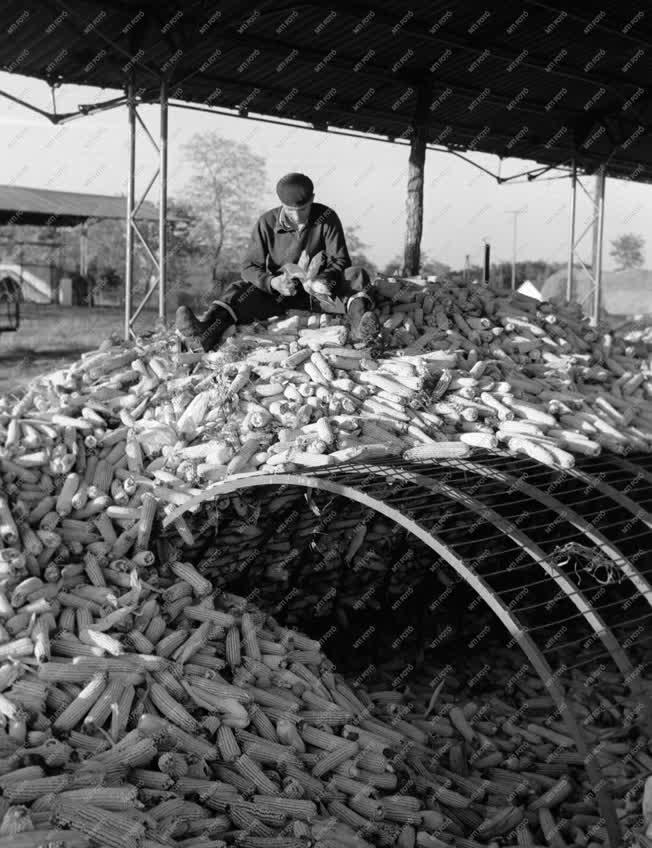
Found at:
<point>51,336</point>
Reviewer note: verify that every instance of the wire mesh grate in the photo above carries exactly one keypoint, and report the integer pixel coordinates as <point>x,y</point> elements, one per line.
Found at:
<point>414,560</point>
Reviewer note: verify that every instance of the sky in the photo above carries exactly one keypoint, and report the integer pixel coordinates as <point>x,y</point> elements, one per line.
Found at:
<point>364,180</point>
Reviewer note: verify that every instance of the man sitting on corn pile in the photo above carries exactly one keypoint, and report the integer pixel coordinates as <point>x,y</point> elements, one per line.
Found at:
<point>268,287</point>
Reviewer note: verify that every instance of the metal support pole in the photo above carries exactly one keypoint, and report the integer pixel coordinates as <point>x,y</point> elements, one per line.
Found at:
<point>514,253</point>
<point>131,190</point>
<point>571,237</point>
<point>597,292</point>
<point>163,201</point>
<point>515,213</point>
<point>487,265</point>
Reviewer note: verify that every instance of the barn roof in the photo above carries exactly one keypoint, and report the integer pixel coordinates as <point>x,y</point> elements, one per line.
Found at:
<point>531,80</point>
<point>43,207</point>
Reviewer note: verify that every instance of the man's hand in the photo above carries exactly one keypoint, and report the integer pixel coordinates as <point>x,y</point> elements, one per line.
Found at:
<point>283,284</point>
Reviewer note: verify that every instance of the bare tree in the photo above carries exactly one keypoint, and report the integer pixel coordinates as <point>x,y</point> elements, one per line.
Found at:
<point>224,195</point>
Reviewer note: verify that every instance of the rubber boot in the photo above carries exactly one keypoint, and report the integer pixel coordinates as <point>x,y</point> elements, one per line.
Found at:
<point>203,333</point>
<point>365,326</point>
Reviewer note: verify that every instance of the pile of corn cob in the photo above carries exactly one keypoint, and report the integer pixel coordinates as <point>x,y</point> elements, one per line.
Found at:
<point>460,367</point>
<point>309,561</point>
<point>139,712</point>
<point>142,708</point>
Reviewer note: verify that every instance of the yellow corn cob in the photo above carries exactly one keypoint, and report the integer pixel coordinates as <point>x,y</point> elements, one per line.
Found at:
<point>140,642</point>
<point>102,478</point>
<point>168,644</point>
<point>40,636</point>
<point>246,767</point>
<point>243,457</point>
<point>249,638</point>
<point>81,705</point>
<point>105,797</point>
<point>121,712</point>
<point>227,744</point>
<point>531,449</point>
<point>64,500</point>
<point>437,450</point>
<point>146,521</point>
<point>170,709</point>
<point>479,440</point>
<point>117,830</point>
<point>232,647</point>
<point>101,709</point>
<point>22,647</point>
<point>195,641</point>
<point>185,571</point>
<point>155,630</point>
<point>93,570</point>
<point>105,643</point>
<point>150,779</point>
<point>216,617</point>
<point>319,361</point>
<point>24,791</point>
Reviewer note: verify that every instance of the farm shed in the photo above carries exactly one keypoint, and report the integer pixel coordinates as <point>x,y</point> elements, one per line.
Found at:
<point>465,78</point>
<point>22,205</point>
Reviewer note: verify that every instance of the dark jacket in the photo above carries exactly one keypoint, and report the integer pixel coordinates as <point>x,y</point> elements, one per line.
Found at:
<point>272,246</point>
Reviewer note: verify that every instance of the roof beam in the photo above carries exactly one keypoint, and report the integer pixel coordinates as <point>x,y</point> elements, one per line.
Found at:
<point>338,115</point>
<point>55,119</point>
<point>76,20</point>
<point>345,63</point>
<point>345,110</point>
<point>419,29</point>
<point>641,42</point>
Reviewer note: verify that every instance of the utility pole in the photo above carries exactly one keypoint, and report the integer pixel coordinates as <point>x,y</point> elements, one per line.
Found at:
<point>515,213</point>
<point>487,262</point>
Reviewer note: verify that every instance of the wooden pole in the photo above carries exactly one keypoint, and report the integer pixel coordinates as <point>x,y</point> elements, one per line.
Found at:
<point>597,270</point>
<point>414,203</point>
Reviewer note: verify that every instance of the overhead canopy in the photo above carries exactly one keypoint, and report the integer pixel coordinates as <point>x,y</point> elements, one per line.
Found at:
<point>533,80</point>
<point>41,207</point>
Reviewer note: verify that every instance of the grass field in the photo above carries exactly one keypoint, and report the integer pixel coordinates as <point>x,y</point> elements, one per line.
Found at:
<point>51,336</point>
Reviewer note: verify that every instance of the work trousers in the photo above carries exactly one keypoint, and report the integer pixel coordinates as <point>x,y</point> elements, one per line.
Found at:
<point>249,303</point>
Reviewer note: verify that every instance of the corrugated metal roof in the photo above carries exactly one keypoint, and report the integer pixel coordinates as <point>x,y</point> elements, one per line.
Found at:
<point>43,207</point>
<point>531,80</point>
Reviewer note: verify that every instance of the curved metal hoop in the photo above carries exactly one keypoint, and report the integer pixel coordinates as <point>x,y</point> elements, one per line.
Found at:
<point>599,539</point>
<point>518,633</point>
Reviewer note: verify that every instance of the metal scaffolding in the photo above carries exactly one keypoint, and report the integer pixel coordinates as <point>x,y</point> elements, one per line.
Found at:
<point>158,257</point>
<point>593,299</point>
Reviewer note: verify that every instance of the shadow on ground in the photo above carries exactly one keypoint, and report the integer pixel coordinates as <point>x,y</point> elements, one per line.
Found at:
<point>18,355</point>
